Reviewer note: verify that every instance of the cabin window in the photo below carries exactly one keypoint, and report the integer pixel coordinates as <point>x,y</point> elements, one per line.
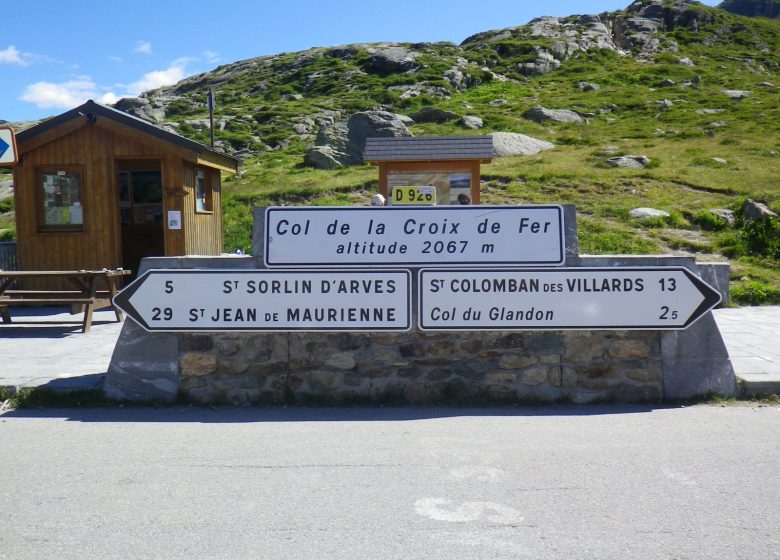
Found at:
<point>203,191</point>
<point>60,199</point>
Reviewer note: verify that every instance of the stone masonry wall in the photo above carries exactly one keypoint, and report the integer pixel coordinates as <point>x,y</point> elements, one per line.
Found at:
<point>421,368</point>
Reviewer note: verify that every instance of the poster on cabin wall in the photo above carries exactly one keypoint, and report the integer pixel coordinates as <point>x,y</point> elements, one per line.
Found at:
<point>450,185</point>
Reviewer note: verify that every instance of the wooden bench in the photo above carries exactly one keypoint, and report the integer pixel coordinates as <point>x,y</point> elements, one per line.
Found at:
<point>86,298</point>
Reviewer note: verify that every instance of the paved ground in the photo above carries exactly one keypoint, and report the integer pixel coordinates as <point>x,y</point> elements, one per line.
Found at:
<point>416,483</point>
<point>47,347</point>
<point>752,336</point>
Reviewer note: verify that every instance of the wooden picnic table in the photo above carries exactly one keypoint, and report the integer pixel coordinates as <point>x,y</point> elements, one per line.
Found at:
<point>84,296</point>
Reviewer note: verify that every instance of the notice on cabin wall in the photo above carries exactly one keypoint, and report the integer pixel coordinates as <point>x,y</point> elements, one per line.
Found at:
<point>174,219</point>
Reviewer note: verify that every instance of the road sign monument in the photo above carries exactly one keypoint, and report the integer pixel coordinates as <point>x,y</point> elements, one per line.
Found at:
<point>620,298</point>
<point>415,236</point>
<point>264,300</point>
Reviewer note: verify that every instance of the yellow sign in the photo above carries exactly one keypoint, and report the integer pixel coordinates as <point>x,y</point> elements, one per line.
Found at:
<point>418,196</point>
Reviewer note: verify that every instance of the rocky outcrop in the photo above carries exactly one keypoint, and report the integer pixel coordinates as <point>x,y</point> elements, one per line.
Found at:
<point>506,144</point>
<point>393,59</point>
<point>151,110</point>
<point>752,8</point>
<point>340,144</point>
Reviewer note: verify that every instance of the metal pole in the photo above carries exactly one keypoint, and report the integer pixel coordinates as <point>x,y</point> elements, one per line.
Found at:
<point>211,115</point>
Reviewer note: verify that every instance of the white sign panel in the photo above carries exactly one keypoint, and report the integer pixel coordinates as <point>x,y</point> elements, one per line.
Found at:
<point>263,300</point>
<point>8,151</point>
<point>563,299</point>
<point>393,236</point>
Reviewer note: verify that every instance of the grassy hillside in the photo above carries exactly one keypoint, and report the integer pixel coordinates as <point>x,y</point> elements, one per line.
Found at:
<point>649,103</point>
<point>699,161</point>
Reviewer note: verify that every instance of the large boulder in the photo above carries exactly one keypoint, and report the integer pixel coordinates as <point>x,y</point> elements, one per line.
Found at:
<point>629,162</point>
<point>541,114</point>
<point>507,144</point>
<point>471,122</point>
<point>393,59</point>
<point>340,144</point>
<point>754,211</point>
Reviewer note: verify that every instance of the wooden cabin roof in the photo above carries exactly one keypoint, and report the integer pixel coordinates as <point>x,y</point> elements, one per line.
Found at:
<point>435,148</point>
<point>91,112</point>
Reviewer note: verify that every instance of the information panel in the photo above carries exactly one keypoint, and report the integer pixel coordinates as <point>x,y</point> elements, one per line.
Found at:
<point>563,299</point>
<point>387,236</point>
<point>264,300</point>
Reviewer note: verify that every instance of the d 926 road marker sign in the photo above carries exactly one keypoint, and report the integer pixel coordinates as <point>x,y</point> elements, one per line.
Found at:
<point>659,298</point>
<point>265,301</point>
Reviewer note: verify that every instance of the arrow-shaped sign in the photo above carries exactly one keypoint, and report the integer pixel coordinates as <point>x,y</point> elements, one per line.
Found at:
<point>8,155</point>
<point>645,298</point>
<point>265,301</point>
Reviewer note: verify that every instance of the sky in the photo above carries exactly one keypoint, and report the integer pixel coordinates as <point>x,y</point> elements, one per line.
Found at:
<point>54,55</point>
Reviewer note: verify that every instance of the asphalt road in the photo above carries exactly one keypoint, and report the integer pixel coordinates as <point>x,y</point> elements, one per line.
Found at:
<point>580,482</point>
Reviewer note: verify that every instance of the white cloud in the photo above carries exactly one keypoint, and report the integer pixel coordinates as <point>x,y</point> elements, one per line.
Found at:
<point>11,55</point>
<point>158,78</point>
<point>143,47</point>
<point>78,89</point>
<point>117,59</point>
<point>66,95</point>
<point>211,57</point>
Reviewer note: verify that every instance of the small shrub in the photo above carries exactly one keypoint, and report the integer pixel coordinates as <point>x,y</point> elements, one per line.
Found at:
<point>754,292</point>
<point>709,221</point>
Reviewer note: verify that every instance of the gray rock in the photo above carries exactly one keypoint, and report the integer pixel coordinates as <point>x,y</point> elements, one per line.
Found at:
<point>757,210</point>
<point>717,124</point>
<point>544,64</point>
<point>665,104</point>
<point>736,94</point>
<point>686,62</point>
<point>325,157</point>
<point>198,124</point>
<point>766,85</point>
<point>341,144</point>
<point>393,59</point>
<point>471,122</point>
<point>667,83</point>
<point>541,114</point>
<point>709,111</point>
<point>457,79</point>
<point>432,114</point>
<point>408,121</point>
<point>498,102</point>
<point>507,144</point>
<point>728,216</point>
<point>374,123</point>
<point>588,86</point>
<point>409,91</point>
<point>6,188</point>
<point>720,161</point>
<point>629,162</point>
<point>647,213</point>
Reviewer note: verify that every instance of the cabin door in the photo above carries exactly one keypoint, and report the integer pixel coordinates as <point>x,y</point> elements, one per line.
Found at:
<point>140,211</point>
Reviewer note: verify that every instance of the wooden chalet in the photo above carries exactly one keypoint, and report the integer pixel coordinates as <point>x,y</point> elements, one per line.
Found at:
<point>450,163</point>
<point>98,188</point>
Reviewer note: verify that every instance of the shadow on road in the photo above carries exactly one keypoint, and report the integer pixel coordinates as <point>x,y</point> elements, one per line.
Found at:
<point>230,415</point>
